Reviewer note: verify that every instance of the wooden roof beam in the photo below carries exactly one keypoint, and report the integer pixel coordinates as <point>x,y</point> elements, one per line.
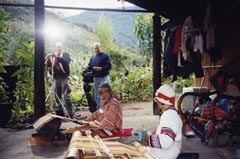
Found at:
<point>78,8</point>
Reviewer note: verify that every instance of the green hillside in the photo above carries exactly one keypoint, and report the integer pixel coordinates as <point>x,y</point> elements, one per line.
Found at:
<point>122,24</point>
<point>76,38</point>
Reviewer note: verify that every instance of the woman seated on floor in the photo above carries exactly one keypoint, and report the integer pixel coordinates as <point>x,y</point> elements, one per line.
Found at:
<point>166,142</point>
<point>107,120</point>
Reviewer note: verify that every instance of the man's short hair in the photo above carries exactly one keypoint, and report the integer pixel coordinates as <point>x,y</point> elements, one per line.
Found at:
<point>97,44</point>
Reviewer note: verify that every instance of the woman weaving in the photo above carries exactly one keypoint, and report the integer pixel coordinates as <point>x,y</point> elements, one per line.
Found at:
<point>107,120</point>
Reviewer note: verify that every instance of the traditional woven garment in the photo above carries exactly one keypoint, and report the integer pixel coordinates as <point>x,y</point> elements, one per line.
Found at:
<point>167,142</point>
<point>109,115</point>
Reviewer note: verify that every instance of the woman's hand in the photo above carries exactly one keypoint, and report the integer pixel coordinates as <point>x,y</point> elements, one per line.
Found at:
<point>94,124</point>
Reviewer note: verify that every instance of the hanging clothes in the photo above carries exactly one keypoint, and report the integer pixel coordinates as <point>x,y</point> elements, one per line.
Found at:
<point>187,35</point>
<point>177,40</point>
<point>198,43</point>
<point>168,63</point>
<point>197,64</point>
<point>182,55</point>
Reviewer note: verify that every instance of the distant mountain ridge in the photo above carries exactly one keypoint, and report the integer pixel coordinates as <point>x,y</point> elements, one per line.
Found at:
<point>122,24</point>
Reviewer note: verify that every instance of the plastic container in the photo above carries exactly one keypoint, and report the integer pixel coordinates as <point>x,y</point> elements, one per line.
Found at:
<point>138,134</point>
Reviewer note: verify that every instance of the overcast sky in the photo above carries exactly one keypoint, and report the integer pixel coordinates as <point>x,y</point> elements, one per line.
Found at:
<point>85,4</point>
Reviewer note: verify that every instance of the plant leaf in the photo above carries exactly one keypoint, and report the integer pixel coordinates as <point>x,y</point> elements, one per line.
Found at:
<point>19,72</point>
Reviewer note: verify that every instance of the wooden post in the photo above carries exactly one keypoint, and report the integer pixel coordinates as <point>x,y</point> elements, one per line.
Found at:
<point>157,50</point>
<point>39,89</point>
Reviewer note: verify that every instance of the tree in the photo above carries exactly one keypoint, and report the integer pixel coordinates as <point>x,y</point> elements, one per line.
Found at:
<point>3,36</point>
<point>104,35</point>
<point>144,33</point>
<point>18,32</point>
<point>104,32</point>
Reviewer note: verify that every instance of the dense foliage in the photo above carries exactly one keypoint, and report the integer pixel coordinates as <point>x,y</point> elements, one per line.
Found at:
<point>3,42</point>
<point>3,37</point>
<point>25,88</point>
<point>133,84</point>
<point>144,33</point>
<point>180,83</point>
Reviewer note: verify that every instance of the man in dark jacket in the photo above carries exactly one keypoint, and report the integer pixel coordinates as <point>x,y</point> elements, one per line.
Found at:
<point>60,61</point>
<point>101,65</point>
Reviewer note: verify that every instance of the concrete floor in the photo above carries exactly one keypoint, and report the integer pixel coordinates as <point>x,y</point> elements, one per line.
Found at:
<point>14,143</point>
